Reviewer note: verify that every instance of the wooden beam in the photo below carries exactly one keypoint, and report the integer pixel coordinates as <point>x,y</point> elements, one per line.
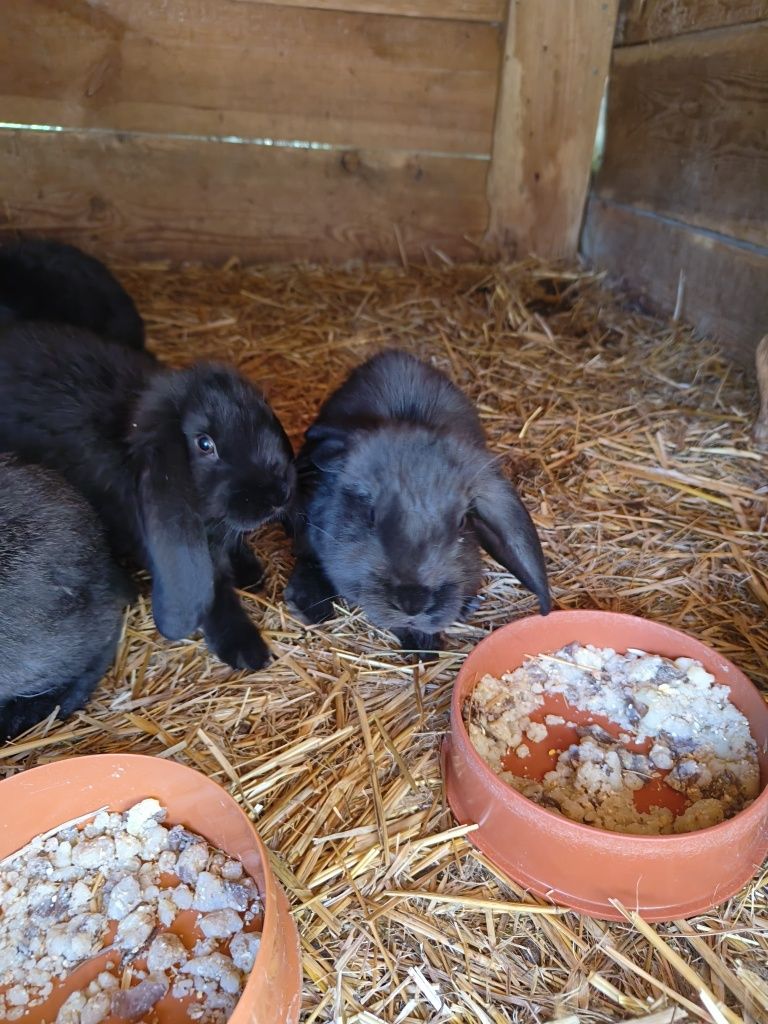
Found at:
<point>687,130</point>
<point>641,21</point>
<point>553,76</point>
<point>251,70</point>
<point>187,199</point>
<point>716,284</point>
<point>456,10</point>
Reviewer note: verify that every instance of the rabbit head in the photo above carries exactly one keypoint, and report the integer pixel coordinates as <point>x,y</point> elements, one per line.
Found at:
<point>398,517</point>
<point>212,459</point>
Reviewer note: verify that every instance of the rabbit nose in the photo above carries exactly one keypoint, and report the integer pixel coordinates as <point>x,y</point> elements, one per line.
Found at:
<point>412,598</point>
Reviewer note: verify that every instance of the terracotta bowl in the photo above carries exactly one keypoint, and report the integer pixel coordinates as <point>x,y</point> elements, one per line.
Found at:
<point>585,868</point>
<point>42,798</point>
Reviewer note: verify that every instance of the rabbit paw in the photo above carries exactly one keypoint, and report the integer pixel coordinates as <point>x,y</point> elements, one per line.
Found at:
<point>421,646</point>
<point>247,570</point>
<point>240,646</point>
<point>309,593</point>
<point>231,635</point>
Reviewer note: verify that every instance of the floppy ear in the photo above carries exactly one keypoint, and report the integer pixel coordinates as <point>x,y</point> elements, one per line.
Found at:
<point>506,531</point>
<point>174,534</point>
<point>325,446</point>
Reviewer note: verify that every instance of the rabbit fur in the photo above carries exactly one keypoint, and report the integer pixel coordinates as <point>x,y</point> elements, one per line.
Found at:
<point>397,490</point>
<point>41,279</point>
<point>61,594</point>
<point>179,464</point>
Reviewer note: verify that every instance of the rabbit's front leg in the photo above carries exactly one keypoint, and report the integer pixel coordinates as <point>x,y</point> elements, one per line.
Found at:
<point>247,570</point>
<point>227,628</point>
<point>423,646</point>
<point>310,594</point>
<point>229,632</point>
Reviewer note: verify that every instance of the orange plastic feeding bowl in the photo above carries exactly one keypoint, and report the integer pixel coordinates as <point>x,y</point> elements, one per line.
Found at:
<point>38,800</point>
<point>586,868</point>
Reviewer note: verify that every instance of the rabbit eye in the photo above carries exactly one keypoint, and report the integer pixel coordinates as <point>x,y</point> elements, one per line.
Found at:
<point>205,444</point>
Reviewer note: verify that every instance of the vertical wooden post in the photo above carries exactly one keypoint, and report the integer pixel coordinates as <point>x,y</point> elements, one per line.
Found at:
<point>555,65</point>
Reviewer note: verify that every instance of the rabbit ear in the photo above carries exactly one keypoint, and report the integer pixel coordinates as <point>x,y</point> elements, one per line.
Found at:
<point>179,557</point>
<point>325,445</point>
<point>506,531</point>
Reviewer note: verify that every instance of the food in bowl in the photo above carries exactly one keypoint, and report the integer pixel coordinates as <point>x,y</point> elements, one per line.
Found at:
<point>174,917</point>
<point>630,742</point>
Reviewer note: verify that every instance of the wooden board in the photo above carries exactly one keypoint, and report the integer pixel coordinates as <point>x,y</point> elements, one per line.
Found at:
<point>687,130</point>
<point>643,20</point>
<point>187,199</point>
<point>457,10</point>
<point>555,66</point>
<point>724,288</point>
<point>253,70</point>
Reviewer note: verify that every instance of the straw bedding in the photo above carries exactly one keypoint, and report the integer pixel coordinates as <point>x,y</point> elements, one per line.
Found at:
<point>629,441</point>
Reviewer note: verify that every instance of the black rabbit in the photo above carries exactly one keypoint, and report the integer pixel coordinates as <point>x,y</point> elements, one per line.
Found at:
<point>41,279</point>
<point>397,488</point>
<point>179,464</point>
<point>61,595</point>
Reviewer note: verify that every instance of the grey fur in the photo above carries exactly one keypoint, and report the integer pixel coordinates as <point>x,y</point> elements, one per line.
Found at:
<point>61,597</point>
<point>400,442</point>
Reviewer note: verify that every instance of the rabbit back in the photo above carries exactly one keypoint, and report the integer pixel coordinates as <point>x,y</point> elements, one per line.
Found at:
<point>61,593</point>
<point>42,279</point>
<point>395,386</point>
<point>66,398</point>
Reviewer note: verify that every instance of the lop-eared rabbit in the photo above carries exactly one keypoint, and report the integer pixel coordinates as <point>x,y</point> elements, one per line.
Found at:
<point>62,597</point>
<point>397,493</point>
<point>179,464</point>
<point>42,279</point>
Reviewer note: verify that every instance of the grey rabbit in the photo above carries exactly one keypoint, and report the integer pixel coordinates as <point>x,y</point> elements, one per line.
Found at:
<point>42,279</point>
<point>397,491</point>
<point>62,597</point>
<point>179,464</point>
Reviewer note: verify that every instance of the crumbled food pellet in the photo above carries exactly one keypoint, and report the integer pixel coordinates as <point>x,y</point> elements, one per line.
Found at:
<point>143,815</point>
<point>166,862</point>
<point>96,1009</point>
<point>698,742</point>
<point>536,732</point>
<point>124,898</point>
<point>523,750</point>
<point>216,967</point>
<point>243,949</point>
<point>154,842</point>
<point>166,950</point>
<point>191,861</point>
<point>210,893</point>
<point>232,870</point>
<point>71,1008</point>
<point>94,853</point>
<point>220,924</point>
<point>65,893</point>
<point>182,896</point>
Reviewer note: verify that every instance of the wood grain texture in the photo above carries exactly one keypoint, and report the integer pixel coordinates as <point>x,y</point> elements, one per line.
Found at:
<point>644,20</point>
<point>724,287</point>
<point>555,66</point>
<point>456,10</point>
<point>687,130</point>
<point>209,200</point>
<point>219,67</point>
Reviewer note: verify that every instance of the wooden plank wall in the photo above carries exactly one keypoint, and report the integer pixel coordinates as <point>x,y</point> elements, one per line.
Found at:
<point>679,208</point>
<point>281,129</point>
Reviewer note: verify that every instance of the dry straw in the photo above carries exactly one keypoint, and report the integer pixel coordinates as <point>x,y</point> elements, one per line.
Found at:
<point>629,442</point>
